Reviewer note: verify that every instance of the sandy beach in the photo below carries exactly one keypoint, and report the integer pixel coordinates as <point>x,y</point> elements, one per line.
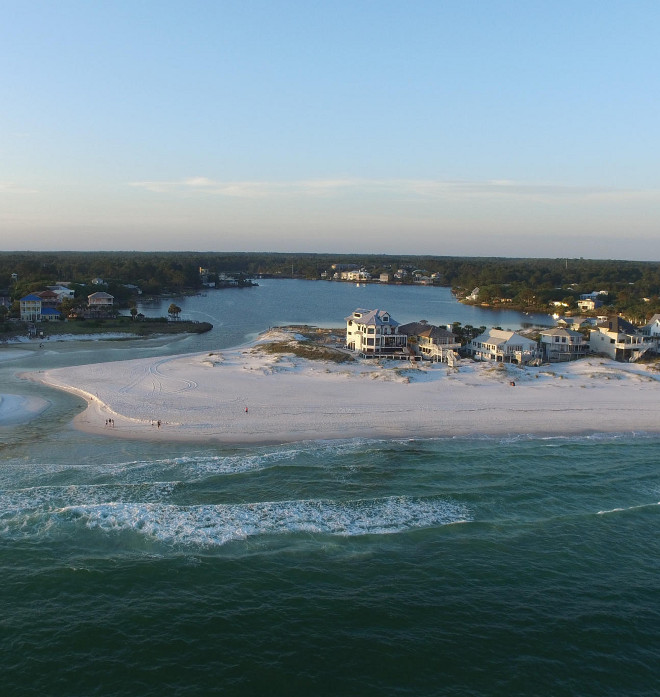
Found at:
<point>245,395</point>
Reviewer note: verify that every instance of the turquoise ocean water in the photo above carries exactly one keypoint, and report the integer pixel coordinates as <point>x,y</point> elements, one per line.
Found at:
<point>482,566</point>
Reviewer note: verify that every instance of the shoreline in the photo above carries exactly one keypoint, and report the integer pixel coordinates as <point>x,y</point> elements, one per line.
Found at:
<point>247,396</point>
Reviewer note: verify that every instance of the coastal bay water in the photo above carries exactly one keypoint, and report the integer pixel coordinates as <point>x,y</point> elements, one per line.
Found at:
<point>238,314</point>
<point>449,566</point>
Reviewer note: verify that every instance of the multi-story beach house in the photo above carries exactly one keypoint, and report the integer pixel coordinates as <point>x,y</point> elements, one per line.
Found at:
<point>359,275</point>
<point>30,308</point>
<point>503,346</point>
<point>99,305</point>
<point>588,304</point>
<point>100,300</point>
<point>619,339</point>
<point>33,309</point>
<point>430,342</point>
<point>374,333</point>
<point>561,344</point>
<point>652,331</point>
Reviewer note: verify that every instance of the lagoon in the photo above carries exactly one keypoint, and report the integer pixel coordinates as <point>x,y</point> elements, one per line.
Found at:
<point>238,314</point>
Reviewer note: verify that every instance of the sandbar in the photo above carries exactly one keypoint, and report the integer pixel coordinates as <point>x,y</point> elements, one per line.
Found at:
<point>16,409</point>
<point>248,396</point>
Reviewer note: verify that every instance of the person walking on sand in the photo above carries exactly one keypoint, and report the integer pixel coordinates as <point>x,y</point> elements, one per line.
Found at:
<point>246,410</point>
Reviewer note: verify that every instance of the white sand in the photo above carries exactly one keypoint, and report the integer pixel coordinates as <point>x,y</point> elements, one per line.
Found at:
<point>19,408</point>
<point>202,397</point>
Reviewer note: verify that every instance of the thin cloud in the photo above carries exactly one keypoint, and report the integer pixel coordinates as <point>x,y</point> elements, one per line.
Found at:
<point>419,188</point>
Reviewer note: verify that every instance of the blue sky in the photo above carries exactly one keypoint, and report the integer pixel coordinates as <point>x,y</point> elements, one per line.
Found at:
<point>420,127</point>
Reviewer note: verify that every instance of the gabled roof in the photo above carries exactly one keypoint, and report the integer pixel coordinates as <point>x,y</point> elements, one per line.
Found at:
<point>619,325</point>
<point>494,336</point>
<point>376,317</point>
<point>31,298</point>
<point>425,329</point>
<point>499,337</point>
<point>654,320</point>
<point>101,296</point>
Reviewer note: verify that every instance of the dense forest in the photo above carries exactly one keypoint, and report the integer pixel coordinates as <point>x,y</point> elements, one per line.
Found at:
<point>631,288</point>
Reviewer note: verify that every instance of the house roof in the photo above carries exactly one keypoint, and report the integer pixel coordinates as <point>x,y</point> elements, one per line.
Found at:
<point>560,331</point>
<point>50,311</point>
<point>31,298</point>
<point>619,325</point>
<point>425,329</point>
<point>576,320</point>
<point>100,295</point>
<point>499,337</point>
<point>376,317</point>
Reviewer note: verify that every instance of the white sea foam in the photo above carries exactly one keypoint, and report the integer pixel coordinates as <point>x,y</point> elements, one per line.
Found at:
<point>629,508</point>
<point>51,497</point>
<point>213,525</point>
<point>190,468</point>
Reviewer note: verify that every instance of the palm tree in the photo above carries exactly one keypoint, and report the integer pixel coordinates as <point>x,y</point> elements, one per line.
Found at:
<point>174,311</point>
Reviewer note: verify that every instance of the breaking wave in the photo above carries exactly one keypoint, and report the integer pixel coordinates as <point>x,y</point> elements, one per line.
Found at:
<point>213,525</point>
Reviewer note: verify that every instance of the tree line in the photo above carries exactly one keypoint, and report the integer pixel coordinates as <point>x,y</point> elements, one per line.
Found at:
<point>633,287</point>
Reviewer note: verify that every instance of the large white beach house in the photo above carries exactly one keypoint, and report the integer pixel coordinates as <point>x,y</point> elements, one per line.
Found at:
<point>374,333</point>
<point>503,346</point>
<point>620,340</point>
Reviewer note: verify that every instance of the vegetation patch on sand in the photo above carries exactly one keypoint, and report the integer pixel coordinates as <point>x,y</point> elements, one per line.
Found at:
<point>305,349</point>
<point>118,325</point>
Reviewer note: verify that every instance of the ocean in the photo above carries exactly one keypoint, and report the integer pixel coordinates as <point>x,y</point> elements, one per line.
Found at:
<point>450,566</point>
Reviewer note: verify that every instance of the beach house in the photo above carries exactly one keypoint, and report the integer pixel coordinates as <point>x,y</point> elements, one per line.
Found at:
<point>588,304</point>
<point>99,305</point>
<point>503,346</point>
<point>35,309</point>
<point>30,308</point>
<point>560,344</point>
<point>374,333</point>
<point>652,330</point>
<point>430,342</point>
<point>619,339</point>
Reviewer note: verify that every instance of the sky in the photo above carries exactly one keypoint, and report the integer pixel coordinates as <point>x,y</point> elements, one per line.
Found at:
<point>443,127</point>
